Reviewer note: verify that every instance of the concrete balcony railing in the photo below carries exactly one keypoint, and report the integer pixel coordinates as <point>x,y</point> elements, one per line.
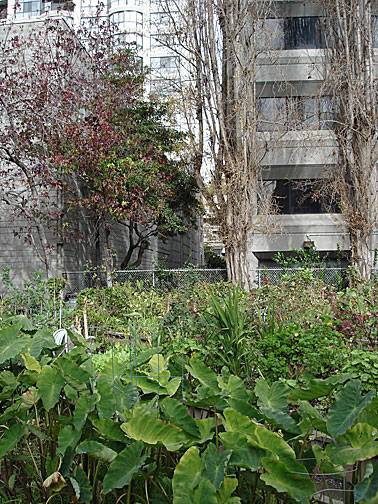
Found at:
<point>288,232</point>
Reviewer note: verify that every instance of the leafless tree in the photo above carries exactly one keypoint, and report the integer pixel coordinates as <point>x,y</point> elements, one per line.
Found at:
<point>218,45</point>
<point>350,80</point>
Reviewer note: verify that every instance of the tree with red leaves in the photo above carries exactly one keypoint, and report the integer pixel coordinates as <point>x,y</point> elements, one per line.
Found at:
<point>77,132</point>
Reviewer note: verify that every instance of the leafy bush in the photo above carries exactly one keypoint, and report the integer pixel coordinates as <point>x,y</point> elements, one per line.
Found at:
<point>295,301</point>
<point>117,308</point>
<point>363,365</point>
<point>288,350</point>
<point>38,298</point>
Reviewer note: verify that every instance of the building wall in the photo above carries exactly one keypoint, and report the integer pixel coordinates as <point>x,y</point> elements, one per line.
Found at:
<point>297,153</point>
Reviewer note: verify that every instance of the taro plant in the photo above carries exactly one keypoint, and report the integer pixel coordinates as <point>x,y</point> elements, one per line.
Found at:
<point>73,432</point>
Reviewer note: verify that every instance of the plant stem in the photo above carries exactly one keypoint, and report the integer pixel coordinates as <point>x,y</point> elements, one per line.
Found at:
<point>129,494</point>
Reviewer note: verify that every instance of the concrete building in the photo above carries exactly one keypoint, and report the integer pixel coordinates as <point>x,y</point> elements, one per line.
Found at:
<point>297,121</point>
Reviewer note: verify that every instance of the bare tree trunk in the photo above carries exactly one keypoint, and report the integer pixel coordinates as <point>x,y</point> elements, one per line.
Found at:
<point>216,40</point>
<point>108,258</point>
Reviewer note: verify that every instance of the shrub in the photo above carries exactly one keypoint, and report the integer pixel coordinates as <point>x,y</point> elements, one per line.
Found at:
<point>363,365</point>
<point>288,350</point>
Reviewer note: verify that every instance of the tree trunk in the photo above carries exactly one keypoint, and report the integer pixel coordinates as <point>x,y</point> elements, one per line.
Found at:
<point>350,80</point>
<point>241,264</point>
<point>108,259</point>
<point>361,254</point>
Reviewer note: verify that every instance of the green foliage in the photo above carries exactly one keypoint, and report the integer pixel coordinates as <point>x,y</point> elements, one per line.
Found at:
<point>131,160</point>
<point>301,257</point>
<point>37,298</point>
<point>212,259</point>
<point>100,434</point>
<point>288,350</point>
<point>363,365</point>
<point>228,319</point>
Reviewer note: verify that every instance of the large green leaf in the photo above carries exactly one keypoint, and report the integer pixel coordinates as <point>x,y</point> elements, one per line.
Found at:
<point>187,476</point>
<point>205,492</point>
<point>82,482</point>
<point>31,363</point>
<point>178,414</point>
<point>42,339</point>
<point>311,418</point>
<point>68,437</point>
<point>366,491</point>
<point>296,484</point>
<point>228,487</point>
<point>97,450</point>
<point>369,414</point>
<point>314,388</point>
<point>348,406</point>
<point>215,463</point>
<point>115,396</point>
<point>11,343</point>
<point>257,434</point>
<point>204,375</point>
<point>206,427</point>
<point>272,401</point>
<point>84,405</point>
<point>243,454</point>
<point>10,438</point>
<point>109,429</point>
<point>157,364</point>
<point>124,467</point>
<point>233,386</point>
<point>22,322</point>
<point>150,385</point>
<point>8,384</point>
<point>73,373</point>
<point>50,382</point>
<point>358,444</point>
<point>143,426</point>
<point>290,471</point>
<point>324,463</point>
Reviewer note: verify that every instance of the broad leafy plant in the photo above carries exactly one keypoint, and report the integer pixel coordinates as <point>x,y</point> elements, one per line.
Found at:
<point>74,431</point>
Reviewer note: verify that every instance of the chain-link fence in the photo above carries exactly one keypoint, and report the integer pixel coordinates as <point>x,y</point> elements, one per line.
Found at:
<point>178,278</point>
<point>159,278</point>
<point>275,276</point>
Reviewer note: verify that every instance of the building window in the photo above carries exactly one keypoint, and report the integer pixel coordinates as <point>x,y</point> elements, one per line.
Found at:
<point>270,34</point>
<point>29,9</point>
<point>128,21</point>
<point>375,30</point>
<point>296,113</point>
<point>167,65</point>
<point>304,33</point>
<point>114,4</point>
<point>164,21</point>
<point>133,40</point>
<point>292,33</point>
<point>163,87</point>
<point>300,197</point>
<point>163,40</point>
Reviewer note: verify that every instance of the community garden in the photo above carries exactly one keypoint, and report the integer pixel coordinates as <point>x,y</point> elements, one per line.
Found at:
<point>197,395</point>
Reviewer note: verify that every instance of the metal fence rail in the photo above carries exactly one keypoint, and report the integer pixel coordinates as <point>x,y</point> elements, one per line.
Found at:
<point>159,278</point>
<point>178,278</point>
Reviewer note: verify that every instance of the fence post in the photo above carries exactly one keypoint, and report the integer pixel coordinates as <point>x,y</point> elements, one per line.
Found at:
<point>153,278</point>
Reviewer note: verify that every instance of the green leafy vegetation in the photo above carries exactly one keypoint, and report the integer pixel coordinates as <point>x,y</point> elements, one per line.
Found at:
<point>203,394</point>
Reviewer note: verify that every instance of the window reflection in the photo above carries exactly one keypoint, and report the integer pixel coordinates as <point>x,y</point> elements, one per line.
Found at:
<point>296,113</point>
<point>300,197</point>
